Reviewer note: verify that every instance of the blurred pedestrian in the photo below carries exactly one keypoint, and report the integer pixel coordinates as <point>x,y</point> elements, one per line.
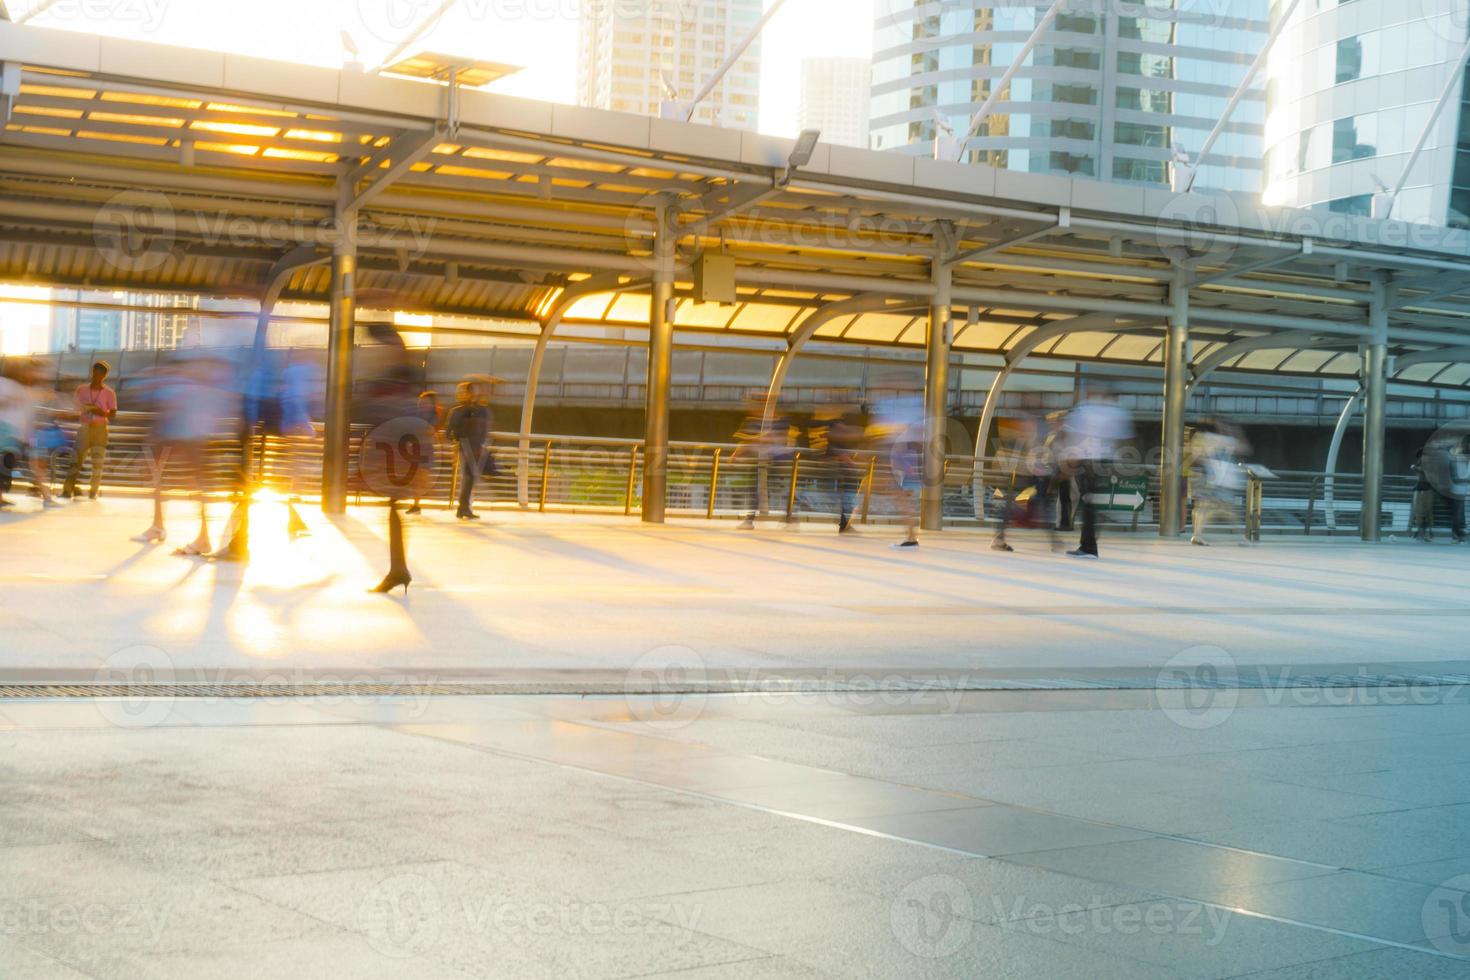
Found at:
<point>96,406</point>
<point>468,428</point>
<point>396,456</point>
<point>301,395</point>
<point>761,440</point>
<point>1421,523</point>
<point>897,435</point>
<point>195,403</point>
<point>430,411</point>
<point>836,438</point>
<point>1025,459</point>
<point>28,440</point>
<point>1215,477</point>
<point>1090,437</point>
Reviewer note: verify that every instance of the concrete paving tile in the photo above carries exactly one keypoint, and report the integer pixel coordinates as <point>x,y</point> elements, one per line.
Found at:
<point>22,961</point>
<point>762,968</point>
<point>834,797</point>
<point>1328,842</point>
<point>1170,867</point>
<point>1366,905</point>
<point>1416,786</point>
<point>1378,964</point>
<point>316,958</point>
<point>997,830</point>
<point>992,890</point>
<point>1192,941</point>
<point>74,900</point>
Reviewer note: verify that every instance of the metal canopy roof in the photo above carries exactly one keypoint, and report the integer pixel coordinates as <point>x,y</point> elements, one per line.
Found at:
<point>134,166</point>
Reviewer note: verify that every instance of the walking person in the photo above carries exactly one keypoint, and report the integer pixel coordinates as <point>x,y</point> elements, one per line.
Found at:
<point>20,399</point>
<point>1215,478</point>
<point>468,428</point>
<point>429,410</point>
<point>1421,523</point>
<point>1090,438</point>
<point>897,433</point>
<point>96,406</point>
<point>301,392</point>
<point>1027,458</point>
<point>836,437</point>
<point>760,441</point>
<point>194,406</point>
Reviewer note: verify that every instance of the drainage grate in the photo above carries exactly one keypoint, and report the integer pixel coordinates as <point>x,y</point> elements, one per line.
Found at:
<point>747,685</point>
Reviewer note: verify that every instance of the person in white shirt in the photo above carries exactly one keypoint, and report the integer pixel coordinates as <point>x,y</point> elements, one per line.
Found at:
<point>1090,438</point>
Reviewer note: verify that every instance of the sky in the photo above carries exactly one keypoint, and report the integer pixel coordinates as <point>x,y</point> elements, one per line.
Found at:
<point>540,35</point>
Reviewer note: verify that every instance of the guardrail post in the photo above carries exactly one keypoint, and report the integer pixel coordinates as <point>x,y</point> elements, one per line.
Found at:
<point>1311,504</point>
<point>868,486</point>
<point>545,475</point>
<point>791,494</point>
<point>632,477</point>
<point>714,485</point>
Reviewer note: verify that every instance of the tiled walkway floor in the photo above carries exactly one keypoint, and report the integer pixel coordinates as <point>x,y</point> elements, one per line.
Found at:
<point>1019,835</point>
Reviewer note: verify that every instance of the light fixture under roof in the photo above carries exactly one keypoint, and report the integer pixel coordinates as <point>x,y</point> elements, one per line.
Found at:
<point>468,72</point>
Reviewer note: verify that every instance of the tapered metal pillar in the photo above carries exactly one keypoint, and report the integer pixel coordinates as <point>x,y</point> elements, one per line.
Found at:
<point>936,398</point>
<point>1176,397</point>
<point>1375,389</point>
<point>335,448</point>
<point>660,373</point>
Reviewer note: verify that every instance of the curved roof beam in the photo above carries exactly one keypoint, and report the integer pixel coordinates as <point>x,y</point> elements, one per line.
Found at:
<point>1292,340</point>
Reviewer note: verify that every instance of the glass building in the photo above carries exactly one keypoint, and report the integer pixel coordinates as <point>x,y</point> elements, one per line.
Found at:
<point>1351,87</point>
<point>1110,91</point>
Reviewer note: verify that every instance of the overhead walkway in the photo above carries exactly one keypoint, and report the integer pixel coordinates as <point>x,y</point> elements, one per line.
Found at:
<point>133,166</point>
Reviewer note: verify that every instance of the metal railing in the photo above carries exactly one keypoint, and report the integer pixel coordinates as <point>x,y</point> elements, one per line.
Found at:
<point>712,480</point>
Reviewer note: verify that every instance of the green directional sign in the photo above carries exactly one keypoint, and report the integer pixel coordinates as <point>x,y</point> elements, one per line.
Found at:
<point>1127,495</point>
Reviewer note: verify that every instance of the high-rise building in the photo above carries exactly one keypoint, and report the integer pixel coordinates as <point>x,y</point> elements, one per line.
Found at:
<point>1351,88</point>
<point>834,99</point>
<point>635,56</point>
<point>1109,92</point>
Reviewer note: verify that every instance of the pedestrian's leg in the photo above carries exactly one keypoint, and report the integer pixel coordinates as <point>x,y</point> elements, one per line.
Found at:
<point>99,457</point>
<point>466,479</point>
<point>80,447</point>
<point>847,492</point>
<point>1085,482</point>
<point>156,532</point>
<point>397,560</point>
<point>1457,514</point>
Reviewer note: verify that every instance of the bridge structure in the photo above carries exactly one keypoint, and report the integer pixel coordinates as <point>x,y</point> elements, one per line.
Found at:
<point>133,166</point>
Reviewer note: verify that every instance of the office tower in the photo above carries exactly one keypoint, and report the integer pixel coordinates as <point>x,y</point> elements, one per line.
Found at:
<point>1110,90</point>
<point>634,57</point>
<point>1351,89</point>
<point>834,99</point>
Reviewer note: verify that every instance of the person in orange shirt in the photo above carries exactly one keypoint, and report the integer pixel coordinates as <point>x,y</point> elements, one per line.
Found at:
<point>96,407</point>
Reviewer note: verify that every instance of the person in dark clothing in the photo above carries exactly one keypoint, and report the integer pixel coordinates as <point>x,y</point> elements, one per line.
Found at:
<point>1422,523</point>
<point>467,427</point>
<point>428,410</point>
<point>836,438</point>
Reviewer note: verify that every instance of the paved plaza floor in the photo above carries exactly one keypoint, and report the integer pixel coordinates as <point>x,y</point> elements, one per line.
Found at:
<point>529,592</point>
<point>754,754</point>
<point>1051,835</point>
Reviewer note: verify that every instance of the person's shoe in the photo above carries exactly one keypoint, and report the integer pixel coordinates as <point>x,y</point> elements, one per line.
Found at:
<point>92,495</point>
<point>415,509</point>
<point>910,543</point>
<point>1079,553</point>
<point>748,524</point>
<point>393,581</point>
<point>846,529</point>
<point>1000,545</point>
<point>68,495</point>
<point>51,502</point>
<point>154,535</point>
<point>471,516</point>
<point>5,503</point>
<point>1199,542</point>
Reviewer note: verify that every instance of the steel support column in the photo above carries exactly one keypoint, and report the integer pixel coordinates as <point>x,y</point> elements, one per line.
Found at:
<point>1176,397</point>
<point>1375,387</point>
<point>340,339</point>
<point>936,398</point>
<point>660,372</point>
